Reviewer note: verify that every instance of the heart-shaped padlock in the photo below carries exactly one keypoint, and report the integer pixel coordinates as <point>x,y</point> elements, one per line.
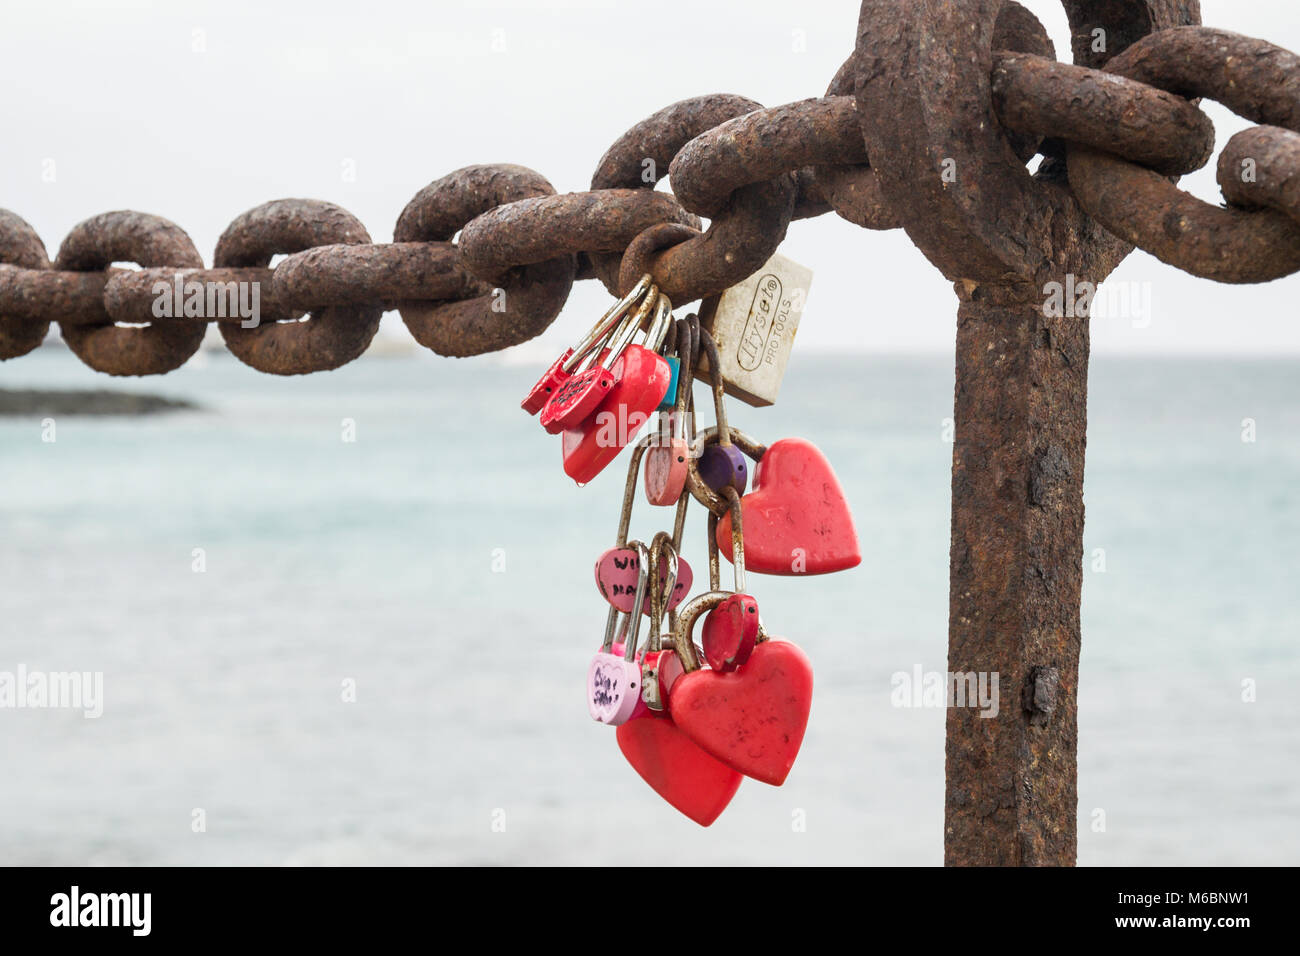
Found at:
<point>753,719</point>
<point>594,378</point>
<point>690,779</point>
<point>731,629</point>
<point>563,367</point>
<point>617,570</point>
<point>616,579</point>
<point>640,382</point>
<point>614,679</point>
<point>666,459</point>
<point>797,520</point>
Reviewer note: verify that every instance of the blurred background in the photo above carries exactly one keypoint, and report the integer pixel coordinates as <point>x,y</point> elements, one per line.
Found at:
<point>441,561</point>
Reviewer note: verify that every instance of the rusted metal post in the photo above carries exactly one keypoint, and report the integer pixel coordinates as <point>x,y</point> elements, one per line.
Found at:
<point>1016,568</point>
<point>958,183</point>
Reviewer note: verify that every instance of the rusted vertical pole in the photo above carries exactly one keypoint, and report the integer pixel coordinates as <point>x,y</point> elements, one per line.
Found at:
<point>1016,568</point>
<point>959,185</point>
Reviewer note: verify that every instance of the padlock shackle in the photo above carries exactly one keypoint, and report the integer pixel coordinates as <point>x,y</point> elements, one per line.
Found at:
<point>607,323</point>
<point>626,331</point>
<point>660,546</point>
<point>683,641</point>
<point>619,336</point>
<point>751,446</point>
<point>737,544</point>
<point>688,347</point>
<point>642,579</point>
<point>629,489</point>
<point>719,405</point>
<point>658,328</point>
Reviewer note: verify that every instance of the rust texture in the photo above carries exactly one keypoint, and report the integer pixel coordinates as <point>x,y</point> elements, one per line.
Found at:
<point>743,233</point>
<point>1251,77</point>
<point>761,146</point>
<point>948,168</point>
<point>1226,245</point>
<point>95,244</point>
<point>928,125</point>
<point>35,295</point>
<point>357,275</point>
<point>482,319</point>
<point>643,154</point>
<point>129,296</point>
<point>21,327</point>
<point>1260,167</point>
<point>534,230</point>
<point>331,336</point>
<point>1160,130</point>
<point>752,170</point>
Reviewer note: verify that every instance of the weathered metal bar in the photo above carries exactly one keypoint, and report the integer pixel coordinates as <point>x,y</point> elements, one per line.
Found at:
<point>953,176</point>
<point>1017,548</point>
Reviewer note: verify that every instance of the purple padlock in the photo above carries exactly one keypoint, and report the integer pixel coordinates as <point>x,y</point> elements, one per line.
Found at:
<point>721,464</point>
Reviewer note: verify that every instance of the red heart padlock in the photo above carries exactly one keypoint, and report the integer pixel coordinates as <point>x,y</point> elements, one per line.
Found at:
<point>563,367</point>
<point>595,378</point>
<point>642,378</point>
<point>752,719</point>
<point>550,382</point>
<point>577,398</point>
<point>730,632</point>
<point>796,519</point>
<point>691,780</point>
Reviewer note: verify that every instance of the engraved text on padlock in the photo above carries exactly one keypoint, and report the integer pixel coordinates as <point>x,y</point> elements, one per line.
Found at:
<point>754,324</point>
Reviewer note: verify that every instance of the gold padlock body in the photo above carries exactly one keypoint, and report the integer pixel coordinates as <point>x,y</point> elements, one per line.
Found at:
<point>754,324</point>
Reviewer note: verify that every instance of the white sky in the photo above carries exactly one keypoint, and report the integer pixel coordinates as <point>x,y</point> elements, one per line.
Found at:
<point>280,96</point>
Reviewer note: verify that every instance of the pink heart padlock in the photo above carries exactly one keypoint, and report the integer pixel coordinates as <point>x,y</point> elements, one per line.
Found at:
<point>614,674</point>
<point>617,579</point>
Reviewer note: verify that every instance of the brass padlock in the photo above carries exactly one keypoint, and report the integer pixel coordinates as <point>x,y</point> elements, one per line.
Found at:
<point>753,324</point>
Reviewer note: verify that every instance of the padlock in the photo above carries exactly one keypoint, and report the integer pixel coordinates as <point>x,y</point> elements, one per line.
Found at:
<point>562,368</point>
<point>754,324</point>
<point>661,553</point>
<point>722,464</point>
<point>666,459</point>
<point>640,383</point>
<point>753,719</point>
<point>617,570</point>
<point>797,519</point>
<point>614,680</point>
<point>700,491</point>
<point>669,350</point>
<point>730,630</point>
<point>593,379</point>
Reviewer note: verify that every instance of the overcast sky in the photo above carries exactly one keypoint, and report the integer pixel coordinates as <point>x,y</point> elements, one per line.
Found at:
<point>198,111</point>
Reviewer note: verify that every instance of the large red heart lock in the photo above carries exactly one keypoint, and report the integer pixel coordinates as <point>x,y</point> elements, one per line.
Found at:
<point>753,718</point>
<point>796,518</point>
<point>690,779</point>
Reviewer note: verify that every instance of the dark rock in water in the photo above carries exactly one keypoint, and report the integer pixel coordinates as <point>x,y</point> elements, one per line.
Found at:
<point>86,402</point>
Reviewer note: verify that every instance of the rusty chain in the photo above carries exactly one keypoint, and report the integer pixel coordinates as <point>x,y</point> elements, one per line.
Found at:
<point>1116,133</point>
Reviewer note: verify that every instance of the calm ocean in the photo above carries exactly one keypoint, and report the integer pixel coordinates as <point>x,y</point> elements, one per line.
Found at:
<point>441,563</point>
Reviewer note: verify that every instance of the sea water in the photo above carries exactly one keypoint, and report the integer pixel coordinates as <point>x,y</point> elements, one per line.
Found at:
<point>346,618</point>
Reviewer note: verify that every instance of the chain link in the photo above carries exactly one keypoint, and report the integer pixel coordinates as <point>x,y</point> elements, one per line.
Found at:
<point>1121,130</point>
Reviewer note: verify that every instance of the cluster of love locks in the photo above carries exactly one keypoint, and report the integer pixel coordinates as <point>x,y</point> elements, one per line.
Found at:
<point>694,720</point>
